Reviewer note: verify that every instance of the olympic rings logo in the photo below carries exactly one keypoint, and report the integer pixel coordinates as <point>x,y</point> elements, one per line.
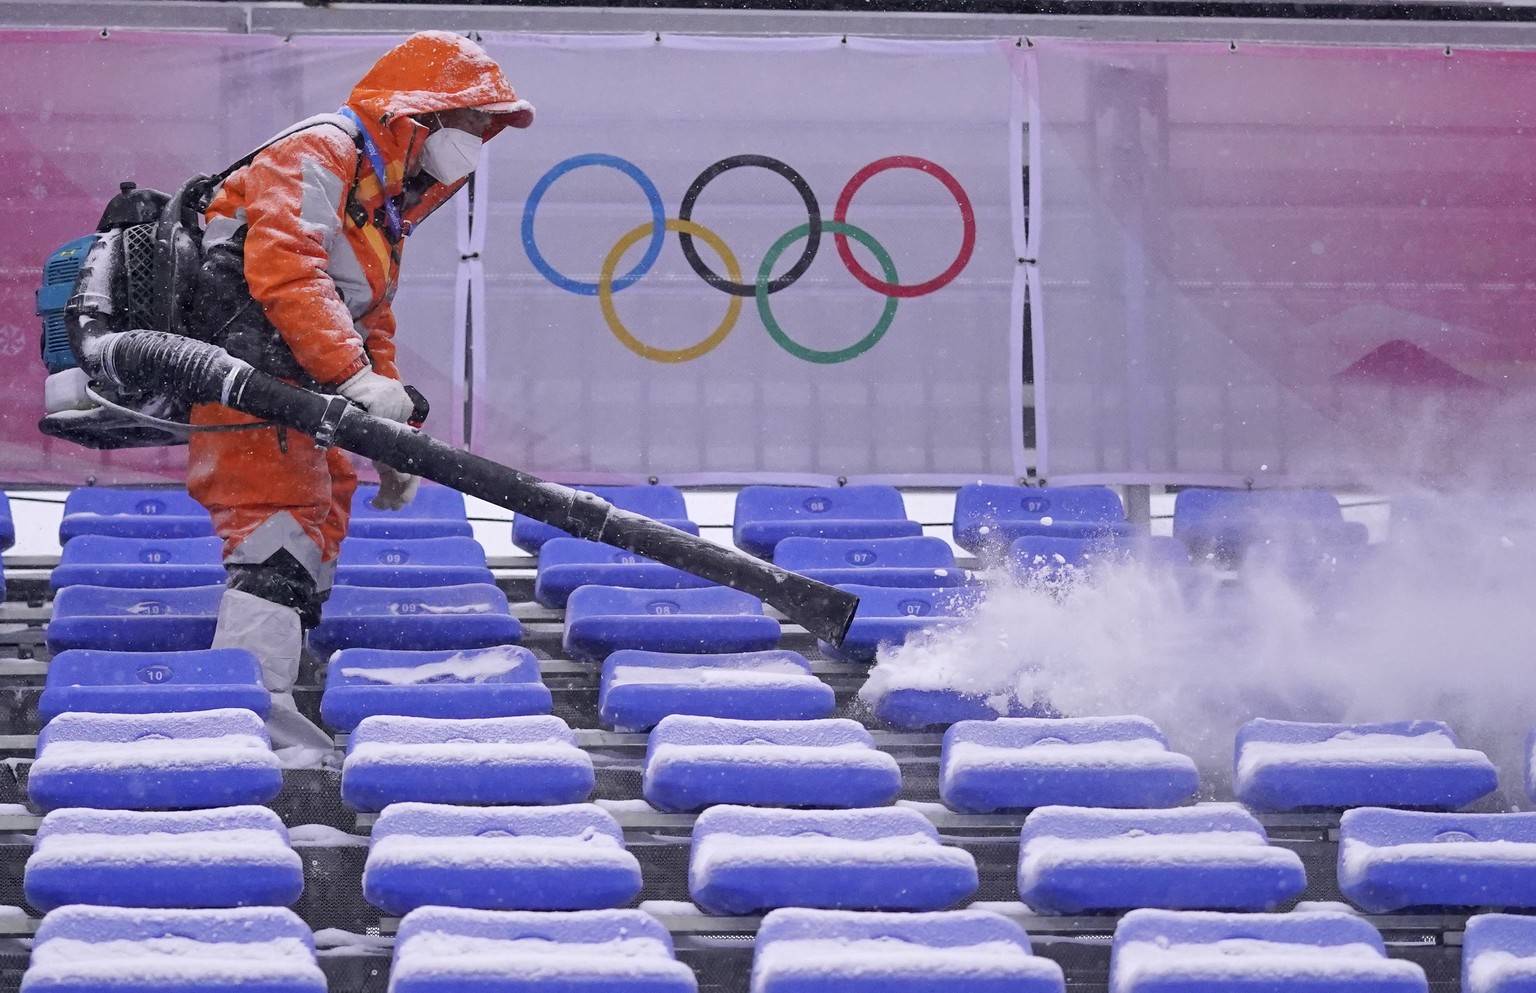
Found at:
<point>610,282</point>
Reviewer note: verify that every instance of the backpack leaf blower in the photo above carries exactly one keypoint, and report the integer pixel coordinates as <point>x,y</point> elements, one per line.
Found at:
<point>159,363</point>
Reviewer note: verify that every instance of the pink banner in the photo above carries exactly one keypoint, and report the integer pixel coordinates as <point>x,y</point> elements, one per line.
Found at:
<point>84,112</point>
<point>1281,263</point>
<point>88,110</point>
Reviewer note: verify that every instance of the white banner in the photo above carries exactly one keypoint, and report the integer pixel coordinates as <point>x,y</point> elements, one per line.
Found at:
<point>753,260</point>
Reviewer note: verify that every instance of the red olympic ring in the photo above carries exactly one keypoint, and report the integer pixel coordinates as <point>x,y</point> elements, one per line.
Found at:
<point>967,218</point>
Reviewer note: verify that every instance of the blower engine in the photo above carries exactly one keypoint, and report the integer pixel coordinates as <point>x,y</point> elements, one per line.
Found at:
<point>125,276</point>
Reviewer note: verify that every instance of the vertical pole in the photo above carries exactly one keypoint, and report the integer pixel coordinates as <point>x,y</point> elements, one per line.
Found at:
<point>1138,505</point>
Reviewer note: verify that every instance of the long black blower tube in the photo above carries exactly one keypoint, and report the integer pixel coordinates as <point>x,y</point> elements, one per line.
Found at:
<point>153,361</point>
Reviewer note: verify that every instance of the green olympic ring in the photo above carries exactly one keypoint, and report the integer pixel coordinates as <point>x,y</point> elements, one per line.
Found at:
<point>765,312</point>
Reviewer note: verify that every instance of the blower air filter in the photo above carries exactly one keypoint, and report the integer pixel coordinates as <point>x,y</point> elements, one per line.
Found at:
<point>59,274</point>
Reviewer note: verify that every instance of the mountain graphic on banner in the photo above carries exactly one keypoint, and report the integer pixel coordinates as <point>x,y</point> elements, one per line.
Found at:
<point>1402,363</point>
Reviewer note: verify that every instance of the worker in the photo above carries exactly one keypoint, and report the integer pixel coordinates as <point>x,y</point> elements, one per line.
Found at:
<point>301,256</point>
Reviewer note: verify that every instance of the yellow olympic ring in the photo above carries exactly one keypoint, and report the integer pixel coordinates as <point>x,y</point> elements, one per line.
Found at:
<point>611,316</point>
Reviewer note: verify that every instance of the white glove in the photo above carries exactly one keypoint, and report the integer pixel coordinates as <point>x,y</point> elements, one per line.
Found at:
<point>396,488</point>
<point>379,395</point>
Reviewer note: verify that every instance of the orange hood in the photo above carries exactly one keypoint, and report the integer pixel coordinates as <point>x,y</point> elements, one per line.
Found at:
<point>431,71</point>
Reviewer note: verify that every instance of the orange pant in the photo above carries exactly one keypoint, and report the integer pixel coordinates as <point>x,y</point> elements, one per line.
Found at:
<point>245,478</point>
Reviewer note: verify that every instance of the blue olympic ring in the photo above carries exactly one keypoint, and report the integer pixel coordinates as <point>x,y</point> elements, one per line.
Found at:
<point>652,197</point>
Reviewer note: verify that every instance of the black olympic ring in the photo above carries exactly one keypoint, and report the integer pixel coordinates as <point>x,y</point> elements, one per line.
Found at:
<point>812,210</point>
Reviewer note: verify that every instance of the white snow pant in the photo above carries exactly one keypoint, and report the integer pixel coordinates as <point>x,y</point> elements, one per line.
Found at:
<point>273,634</point>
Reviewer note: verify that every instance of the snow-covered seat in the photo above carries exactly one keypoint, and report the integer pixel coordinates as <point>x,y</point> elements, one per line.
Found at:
<point>992,516</point>
<point>498,858</point>
<point>184,761</point>
<point>1286,765</point>
<point>845,951</point>
<point>453,560</point>
<point>134,620</point>
<point>230,857</point>
<point>474,615</point>
<point>488,760</point>
<point>745,860</point>
<point>888,615</point>
<point>436,512</point>
<point>1162,951</point>
<point>695,762</point>
<point>133,513</point>
<point>1081,761</point>
<point>600,620</point>
<point>1212,856</point>
<point>920,560</point>
<point>566,564</point>
<point>659,503</point>
<point>765,515</point>
<point>1498,954</point>
<point>139,563</point>
<point>130,950</point>
<point>448,950</point>
<point>640,688</point>
<point>1392,859</point>
<point>500,681</point>
<point>153,682</point>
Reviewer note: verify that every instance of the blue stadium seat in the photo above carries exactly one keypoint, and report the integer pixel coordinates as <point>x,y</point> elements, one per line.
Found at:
<point>746,860</point>
<point>127,620</point>
<point>990,516</point>
<point>434,618</point>
<point>437,512</point>
<point>1225,524</point>
<point>1213,856</point>
<point>130,950</point>
<point>696,762</point>
<point>153,682</point>
<point>766,515</point>
<point>412,562</point>
<point>139,563</point>
<point>888,615</point>
<point>498,858</point>
<point>1392,859</point>
<point>1498,954</point>
<point>848,951</point>
<point>625,951</point>
<point>568,563</point>
<point>1287,765</point>
<point>1158,551</point>
<point>1162,951</point>
<point>917,561</point>
<point>133,514</point>
<point>914,707</point>
<point>659,503</point>
<point>7,523</point>
<point>489,760</point>
<point>600,620</point>
<point>502,681</point>
<point>1079,761</point>
<point>207,758</point>
<point>1052,558</point>
<point>640,688</point>
<point>230,857</point>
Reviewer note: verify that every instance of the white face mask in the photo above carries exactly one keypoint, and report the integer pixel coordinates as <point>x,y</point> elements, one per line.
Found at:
<point>450,154</point>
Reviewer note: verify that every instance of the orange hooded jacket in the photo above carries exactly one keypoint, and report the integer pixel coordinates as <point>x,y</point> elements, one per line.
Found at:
<point>318,256</point>
<point>298,273</point>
